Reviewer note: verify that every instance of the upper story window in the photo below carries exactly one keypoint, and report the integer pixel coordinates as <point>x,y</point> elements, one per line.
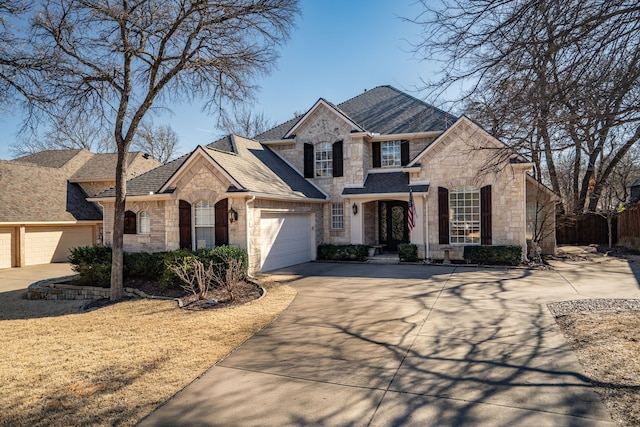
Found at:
<point>205,220</point>
<point>390,154</point>
<point>324,160</point>
<point>144,222</point>
<point>464,208</point>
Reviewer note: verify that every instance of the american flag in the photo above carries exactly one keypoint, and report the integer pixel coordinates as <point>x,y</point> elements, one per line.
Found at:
<point>411,215</point>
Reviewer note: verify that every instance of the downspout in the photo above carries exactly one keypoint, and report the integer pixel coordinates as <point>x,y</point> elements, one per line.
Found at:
<point>426,228</point>
<point>248,228</point>
<point>524,202</point>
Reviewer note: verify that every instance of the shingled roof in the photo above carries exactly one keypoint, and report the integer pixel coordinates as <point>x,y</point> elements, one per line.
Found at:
<point>33,193</point>
<point>253,166</point>
<point>386,183</point>
<point>50,158</point>
<point>102,167</point>
<point>383,110</point>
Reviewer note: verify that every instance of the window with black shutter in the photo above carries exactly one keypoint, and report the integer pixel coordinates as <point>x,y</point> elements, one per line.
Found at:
<point>308,161</point>
<point>130,222</point>
<point>337,159</point>
<point>377,157</point>
<point>485,215</point>
<point>443,216</point>
<point>404,152</point>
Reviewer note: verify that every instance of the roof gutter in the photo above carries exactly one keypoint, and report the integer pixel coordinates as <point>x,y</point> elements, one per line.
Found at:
<point>268,196</point>
<point>146,198</point>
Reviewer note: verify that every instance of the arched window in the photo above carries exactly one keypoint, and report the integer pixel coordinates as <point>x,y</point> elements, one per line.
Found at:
<point>130,222</point>
<point>324,160</point>
<point>144,222</point>
<point>205,221</point>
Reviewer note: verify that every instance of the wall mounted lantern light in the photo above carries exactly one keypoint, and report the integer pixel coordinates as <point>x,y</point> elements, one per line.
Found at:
<point>233,214</point>
<point>354,208</point>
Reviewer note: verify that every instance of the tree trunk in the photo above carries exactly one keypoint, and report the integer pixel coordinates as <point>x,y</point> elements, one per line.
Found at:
<point>117,259</point>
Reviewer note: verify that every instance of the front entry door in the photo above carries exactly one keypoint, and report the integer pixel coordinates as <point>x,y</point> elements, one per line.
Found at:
<point>393,224</point>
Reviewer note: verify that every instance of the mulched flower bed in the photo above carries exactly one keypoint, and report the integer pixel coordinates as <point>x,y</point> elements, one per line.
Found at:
<point>217,298</point>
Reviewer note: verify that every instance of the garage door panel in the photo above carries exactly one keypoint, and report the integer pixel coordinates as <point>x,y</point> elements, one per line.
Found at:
<point>6,246</point>
<point>53,244</point>
<point>286,240</point>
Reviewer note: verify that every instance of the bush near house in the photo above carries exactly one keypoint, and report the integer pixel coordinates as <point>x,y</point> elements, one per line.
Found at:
<point>408,252</point>
<point>496,255</point>
<point>327,251</point>
<point>93,264</point>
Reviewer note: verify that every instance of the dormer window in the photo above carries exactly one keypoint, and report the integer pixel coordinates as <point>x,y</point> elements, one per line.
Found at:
<point>390,154</point>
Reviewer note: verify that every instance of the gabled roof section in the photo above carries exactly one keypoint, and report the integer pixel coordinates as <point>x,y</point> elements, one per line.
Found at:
<point>250,166</point>
<point>149,182</point>
<point>381,110</point>
<point>465,121</point>
<point>257,169</point>
<point>41,194</point>
<point>50,158</point>
<point>388,182</point>
<point>319,104</point>
<point>102,167</point>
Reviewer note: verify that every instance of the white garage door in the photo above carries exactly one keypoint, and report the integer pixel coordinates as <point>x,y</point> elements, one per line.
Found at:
<point>6,238</point>
<point>52,244</point>
<point>287,239</point>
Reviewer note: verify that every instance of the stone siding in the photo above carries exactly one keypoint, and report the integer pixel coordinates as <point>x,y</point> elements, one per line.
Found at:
<point>462,160</point>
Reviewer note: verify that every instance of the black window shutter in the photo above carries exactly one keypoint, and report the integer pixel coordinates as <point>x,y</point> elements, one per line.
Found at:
<point>485,215</point>
<point>130,221</point>
<point>404,152</point>
<point>377,155</point>
<point>337,159</point>
<point>443,216</point>
<point>308,161</point>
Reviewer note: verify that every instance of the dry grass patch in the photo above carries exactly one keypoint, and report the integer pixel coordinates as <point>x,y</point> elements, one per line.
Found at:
<point>114,365</point>
<point>607,345</point>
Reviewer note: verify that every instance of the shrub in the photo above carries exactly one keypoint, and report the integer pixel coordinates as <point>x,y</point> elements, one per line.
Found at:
<point>143,264</point>
<point>90,255</point>
<point>168,279</point>
<point>96,274</point>
<point>408,252</point>
<point>497,255</point>
<point>327,251</point>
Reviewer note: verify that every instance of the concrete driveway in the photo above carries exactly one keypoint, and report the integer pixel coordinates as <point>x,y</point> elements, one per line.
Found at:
<point>383,345</point>
<point>12,279</point>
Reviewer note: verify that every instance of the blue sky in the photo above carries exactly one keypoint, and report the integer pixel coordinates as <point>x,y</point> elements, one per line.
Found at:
<point>339,49</point>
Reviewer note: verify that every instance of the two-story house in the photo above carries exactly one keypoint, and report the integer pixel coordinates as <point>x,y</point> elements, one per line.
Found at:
<point>381,169</point>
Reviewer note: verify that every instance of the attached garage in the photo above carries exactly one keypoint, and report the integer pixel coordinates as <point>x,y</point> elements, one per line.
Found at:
<point>53,244</point>
<point>6,247</point>
<point>286,239</point>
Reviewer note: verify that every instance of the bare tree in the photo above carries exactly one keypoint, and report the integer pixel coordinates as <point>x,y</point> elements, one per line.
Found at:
<point>117,59</point>
<point>67,131</point>
<point>161,142</point>
<point>242,121</point>
<point>550,77</point>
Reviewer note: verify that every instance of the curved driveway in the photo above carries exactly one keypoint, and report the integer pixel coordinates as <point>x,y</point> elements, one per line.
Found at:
<point>382,345</point>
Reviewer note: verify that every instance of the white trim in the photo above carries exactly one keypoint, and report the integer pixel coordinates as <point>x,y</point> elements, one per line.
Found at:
<point>321,102</point>
<point>48,223</point>
<point>150,198</point>
<point>396,136</point>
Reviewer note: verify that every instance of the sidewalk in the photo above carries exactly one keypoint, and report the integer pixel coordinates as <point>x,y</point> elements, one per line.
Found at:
<point>380,345</point>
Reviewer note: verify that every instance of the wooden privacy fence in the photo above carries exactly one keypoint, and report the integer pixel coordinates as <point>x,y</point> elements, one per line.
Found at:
<point>584,230</point>
<point>629,222</point>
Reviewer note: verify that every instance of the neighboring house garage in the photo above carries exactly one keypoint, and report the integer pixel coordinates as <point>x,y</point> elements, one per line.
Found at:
<point>6,245</point>
<point>42,215</point>
<point>53,244</point>
<point>286,240</point>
